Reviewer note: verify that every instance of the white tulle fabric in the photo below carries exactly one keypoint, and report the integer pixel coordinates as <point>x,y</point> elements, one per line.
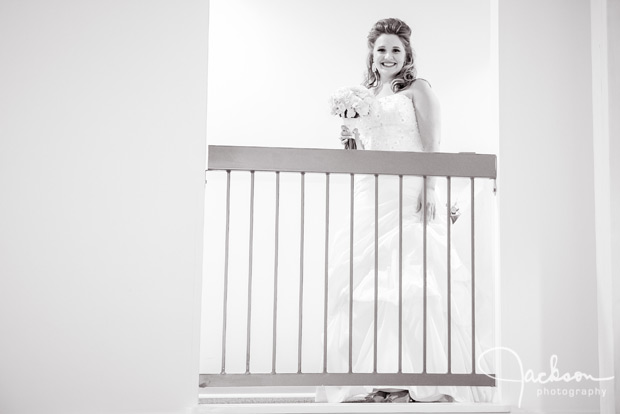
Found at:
<point>393,127</point>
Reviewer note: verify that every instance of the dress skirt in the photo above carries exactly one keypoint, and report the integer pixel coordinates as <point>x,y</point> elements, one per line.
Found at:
<point>384,247</point>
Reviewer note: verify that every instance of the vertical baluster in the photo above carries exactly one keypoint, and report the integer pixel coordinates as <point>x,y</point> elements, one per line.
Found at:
<point>400,274</point>
<point>424,218</point>
<point>301,271</point>
<point>226,255</point>
<point>326,288</point>
<point>352,209</point>
<point>473,283</point>
<point>275,274</point>
<point>376,286</point>
<point>251,251</point>
<point>449,269</point>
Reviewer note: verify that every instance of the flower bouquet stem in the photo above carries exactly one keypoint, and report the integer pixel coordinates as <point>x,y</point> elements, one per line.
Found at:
<point>350,144</point>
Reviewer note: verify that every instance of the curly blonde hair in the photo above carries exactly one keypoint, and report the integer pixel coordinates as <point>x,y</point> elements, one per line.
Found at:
<point>407,75</point>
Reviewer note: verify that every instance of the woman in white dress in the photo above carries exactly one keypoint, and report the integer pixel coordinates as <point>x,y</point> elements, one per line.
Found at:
<point>405,117</point>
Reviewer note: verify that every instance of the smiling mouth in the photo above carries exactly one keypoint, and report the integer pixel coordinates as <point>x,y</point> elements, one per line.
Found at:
<point>388,64</point>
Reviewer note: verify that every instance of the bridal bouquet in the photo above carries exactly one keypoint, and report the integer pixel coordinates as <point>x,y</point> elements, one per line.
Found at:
<point>350,103</point>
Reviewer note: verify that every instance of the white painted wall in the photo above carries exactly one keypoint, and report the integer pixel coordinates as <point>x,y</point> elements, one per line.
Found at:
<point>102,142</point>
<point>274,64</point>
<point>613,37</point>
<point>547,234</point>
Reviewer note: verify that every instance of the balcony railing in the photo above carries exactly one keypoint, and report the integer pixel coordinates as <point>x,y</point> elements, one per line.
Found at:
<point>248,161</point>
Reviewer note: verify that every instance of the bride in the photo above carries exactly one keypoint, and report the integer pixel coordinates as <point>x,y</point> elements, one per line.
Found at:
<point>405,117</point>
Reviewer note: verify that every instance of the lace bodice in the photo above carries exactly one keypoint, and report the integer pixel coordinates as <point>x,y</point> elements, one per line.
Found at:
<point>392,125</point>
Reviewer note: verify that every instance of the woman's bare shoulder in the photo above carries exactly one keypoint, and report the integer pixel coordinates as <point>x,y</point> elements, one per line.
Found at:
<point>420,88</point>
<point>422,95</point>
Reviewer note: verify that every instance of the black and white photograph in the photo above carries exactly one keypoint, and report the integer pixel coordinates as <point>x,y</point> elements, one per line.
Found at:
<point>280,206</point>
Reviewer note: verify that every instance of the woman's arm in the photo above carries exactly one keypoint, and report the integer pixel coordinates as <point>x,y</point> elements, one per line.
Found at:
<point>428,114</point>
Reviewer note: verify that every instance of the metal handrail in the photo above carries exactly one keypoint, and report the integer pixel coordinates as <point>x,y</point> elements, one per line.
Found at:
<point>329,161</point>
<point>311,160</point>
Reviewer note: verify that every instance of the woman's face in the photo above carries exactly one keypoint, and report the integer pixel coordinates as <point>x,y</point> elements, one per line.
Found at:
<point>388,56</point>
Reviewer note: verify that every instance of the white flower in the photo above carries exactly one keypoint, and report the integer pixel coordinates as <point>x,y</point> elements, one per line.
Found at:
<point>338,108</point>
<point>353,99</point>
<point>363,109</point>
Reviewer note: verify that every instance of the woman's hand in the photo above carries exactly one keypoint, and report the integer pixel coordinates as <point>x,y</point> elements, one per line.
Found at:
<point>345,134</point>
<point>347,138</point>
<point>431,202</point>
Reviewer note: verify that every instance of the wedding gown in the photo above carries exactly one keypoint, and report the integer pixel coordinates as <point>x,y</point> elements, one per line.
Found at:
<point>393,127</point>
